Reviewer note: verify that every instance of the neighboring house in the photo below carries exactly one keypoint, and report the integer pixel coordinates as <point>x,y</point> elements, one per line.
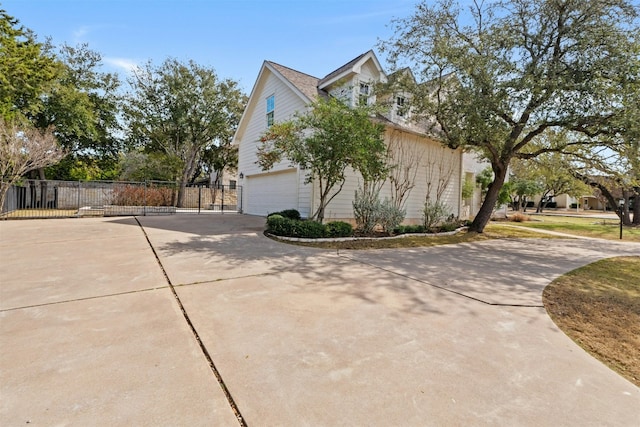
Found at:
<point>279,92</point>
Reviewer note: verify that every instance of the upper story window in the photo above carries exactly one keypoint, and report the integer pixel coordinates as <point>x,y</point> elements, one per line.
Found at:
<point>271,106</point>
<point>363,96</point>
<point>401,109</point>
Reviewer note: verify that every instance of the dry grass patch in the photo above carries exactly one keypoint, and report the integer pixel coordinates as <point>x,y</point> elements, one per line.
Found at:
<point>598,306</point>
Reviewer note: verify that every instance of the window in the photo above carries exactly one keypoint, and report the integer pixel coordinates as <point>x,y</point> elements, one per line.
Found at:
<point>271,106</point>
<point>363,97</point>
<point>401,110</point>
<point>232,184</point>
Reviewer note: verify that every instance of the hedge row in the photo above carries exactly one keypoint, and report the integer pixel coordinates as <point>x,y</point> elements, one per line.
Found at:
<point>282,226</point>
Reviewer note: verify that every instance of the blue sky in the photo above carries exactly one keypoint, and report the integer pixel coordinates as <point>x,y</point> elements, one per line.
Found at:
<point>232,36</point>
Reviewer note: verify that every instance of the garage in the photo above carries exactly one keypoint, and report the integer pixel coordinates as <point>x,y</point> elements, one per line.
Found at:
<point>271,192</point>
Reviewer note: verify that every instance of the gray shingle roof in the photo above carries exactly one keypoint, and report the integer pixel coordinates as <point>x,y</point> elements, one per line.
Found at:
<point>342,69</point>
<point>305,83</point>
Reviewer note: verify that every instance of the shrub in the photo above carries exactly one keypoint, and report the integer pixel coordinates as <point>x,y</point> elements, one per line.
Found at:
<point>282,226</point>
<point>339,229</point>
<point>519,217</point>
<point>287,213</point>
<point>279,225</point>
<point>433,213</point>
<point>449,226</point>
<point>309,229</point>
<point>139,195</point>
<point>409,229</point>
<point>366,207</point>
<point>389,216</point>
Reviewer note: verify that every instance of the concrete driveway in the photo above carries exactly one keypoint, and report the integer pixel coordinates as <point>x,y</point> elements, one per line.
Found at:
<point>94,329</point>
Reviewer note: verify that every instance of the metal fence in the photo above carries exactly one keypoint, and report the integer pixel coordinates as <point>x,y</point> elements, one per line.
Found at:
<point>52,199</point>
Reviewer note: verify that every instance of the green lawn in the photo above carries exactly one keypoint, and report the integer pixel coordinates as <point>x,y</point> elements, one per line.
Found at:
<point>583,226</point>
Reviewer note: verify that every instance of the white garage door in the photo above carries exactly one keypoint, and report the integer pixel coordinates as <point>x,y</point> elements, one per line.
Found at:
<point>268,193</point>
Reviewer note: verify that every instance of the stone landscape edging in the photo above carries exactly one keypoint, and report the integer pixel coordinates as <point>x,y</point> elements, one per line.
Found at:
<point>351,239</point>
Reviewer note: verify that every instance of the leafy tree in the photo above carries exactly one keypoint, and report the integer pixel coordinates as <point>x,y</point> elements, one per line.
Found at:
<point>325,141</point>
<point>83,105</point>
<point>520,190</point>
<point>552,172</point>
<point>154,166</point>
<point>186,112</point>
<point>62,90</point>
<point>498,77</point>
<point>484,180</point>
<point>23,149</point>
<point>26,70</point>
<point>613,167</point>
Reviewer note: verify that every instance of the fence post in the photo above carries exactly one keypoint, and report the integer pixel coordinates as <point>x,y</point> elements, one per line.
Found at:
<point>199,197</point>
<point>79,185</point>
<point>222,201</point>
<point>144,198</point>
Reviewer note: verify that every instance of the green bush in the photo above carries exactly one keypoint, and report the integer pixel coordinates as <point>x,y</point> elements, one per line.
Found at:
<point>280,226</point>
<point>287,213</point>
<point>433,213</point>
<point>309,229</point>
<point>389,216</point>
<point>339,229</point>
<point>449,226</point>
<point>366,208</point>
<point>409,229</point>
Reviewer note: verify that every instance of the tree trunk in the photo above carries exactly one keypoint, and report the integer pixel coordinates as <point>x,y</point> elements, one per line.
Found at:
<point>636,209</point>
<point>542,204</point>
<point>186,174</point>
<point>626,218</point>
<point>486,210</point>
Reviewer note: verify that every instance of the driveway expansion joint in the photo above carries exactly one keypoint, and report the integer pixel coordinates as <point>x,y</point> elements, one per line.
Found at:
<point>45,304</point>
<point>203,348</point>
<point>443,288</point>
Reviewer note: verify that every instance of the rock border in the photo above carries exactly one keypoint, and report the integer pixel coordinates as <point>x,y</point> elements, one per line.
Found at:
<point>351,239</point>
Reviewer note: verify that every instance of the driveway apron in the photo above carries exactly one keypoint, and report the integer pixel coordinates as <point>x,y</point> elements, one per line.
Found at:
<point>91,335</point>
<point>91,332</point>
<point>450,335</point>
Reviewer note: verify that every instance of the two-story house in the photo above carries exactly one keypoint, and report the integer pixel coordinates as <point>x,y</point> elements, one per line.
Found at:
<point>279,92</point>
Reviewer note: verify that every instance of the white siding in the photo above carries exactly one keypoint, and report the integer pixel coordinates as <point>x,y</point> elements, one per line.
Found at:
<point>283,187</point>
<point>435,161</point>
<point>286,103</point>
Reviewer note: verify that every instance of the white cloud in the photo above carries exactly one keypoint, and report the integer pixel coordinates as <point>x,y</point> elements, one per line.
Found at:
<point>128,65</point>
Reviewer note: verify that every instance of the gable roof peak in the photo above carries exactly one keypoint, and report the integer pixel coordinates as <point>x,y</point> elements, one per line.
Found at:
<point>352,66</point>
